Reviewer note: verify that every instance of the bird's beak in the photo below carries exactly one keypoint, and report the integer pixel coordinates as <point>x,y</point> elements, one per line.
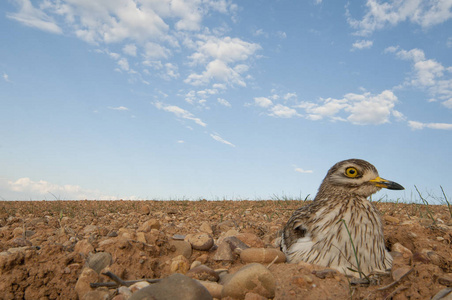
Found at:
<point>383,183</point>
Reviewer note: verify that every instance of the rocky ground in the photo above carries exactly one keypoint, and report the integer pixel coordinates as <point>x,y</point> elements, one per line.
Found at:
<point>56,249</point>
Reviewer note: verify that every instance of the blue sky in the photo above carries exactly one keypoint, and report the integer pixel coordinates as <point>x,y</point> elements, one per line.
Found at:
<point>188,99</point>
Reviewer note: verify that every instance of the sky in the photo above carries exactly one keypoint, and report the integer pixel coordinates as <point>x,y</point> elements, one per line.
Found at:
<point>221,99</point>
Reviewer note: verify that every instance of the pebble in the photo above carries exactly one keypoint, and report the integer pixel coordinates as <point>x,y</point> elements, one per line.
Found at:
<point>179,264</point>
<point>195,264</point>
<point>84,247</point>
<point>206,227</point>
<point>200,241</point>
<point>202,272</point>
<point>262,255</point>
<point>138,286</point>
<point>89,229</point>
<point>253,278</point>
<point>99,261</point>
<point>178,237</point>
<point>145,210</point>
<point>123,290</point>
<point>444,294</point>
<point>235,243</point>
<point>391,220</point>
<point>181,248</point>
<point>150,224</point>
<point>174,287</point>
<point>223,253</point>
<point>82,286</point>
<point>251,240</point>
<point>397,273</point>
<point>406,253</point>
<point>226,225</point>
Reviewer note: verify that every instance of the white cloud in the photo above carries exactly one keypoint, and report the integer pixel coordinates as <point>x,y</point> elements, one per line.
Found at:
<point>222,58</point>
<point>263,102</point>
<point>359,109</point>
<point>428,74</point>
<point>120,108</point>
<point>130,49</point>
<point>221,140</point>
<point>6,77</point>
<point>224,102</point>
<point>282,111</point>
<point>418,125</point>
<point>42,188</point>
<point>379,15</point>
<point>34,17</point>
<point>180,113</point>
<point>300,170</point>
<point>362,44</point>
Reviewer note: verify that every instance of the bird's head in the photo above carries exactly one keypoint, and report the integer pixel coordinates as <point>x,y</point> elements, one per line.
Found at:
<point>356,176</point>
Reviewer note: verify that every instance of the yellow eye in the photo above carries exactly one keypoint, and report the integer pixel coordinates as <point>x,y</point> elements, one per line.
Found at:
<point>351,172</point>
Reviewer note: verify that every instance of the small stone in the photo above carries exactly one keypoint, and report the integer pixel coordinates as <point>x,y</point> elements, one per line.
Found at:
<point>179,264</point>
<point>253,278</point>
<point>181,248</point>
<point>203,258</point>
<point>84,247</point>
<point>138,286</point>
<point>226,225</point>
<point>235,243</point>
<point>391,220</point>
<point>89,229</point>
<point>205,227</point>
<point>178,237</point>
<point>112,234</point>
<point>141,237</point>
<point>200,241</point>
<point>439,238</point>
<point>123,290</point>
<point>302,280</point>
<point>203,272</point>
<point>150,224</point>
<point>251,240</point>
<point>223,253</point>
<point>406,253</point>
<point>262,255</point>
<point>434,257</point>
<point>18,231</point>
<point>195,264</point>
<point>99,261</point>
<point>176,286</point>
<point>82,286</point>
<point>145,210</point>
<point>399,272</point>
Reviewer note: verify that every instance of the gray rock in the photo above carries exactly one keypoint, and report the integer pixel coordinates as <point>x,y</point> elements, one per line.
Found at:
<point>174,287</point>
<point>235,243</point>
<point>224,253</point>
<point>253,278</point>
<point>99,261</point>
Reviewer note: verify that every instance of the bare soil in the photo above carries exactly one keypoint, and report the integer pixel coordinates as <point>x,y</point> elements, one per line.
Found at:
<point>42,257</point>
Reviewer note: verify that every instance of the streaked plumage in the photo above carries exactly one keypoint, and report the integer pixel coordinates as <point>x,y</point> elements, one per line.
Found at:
<point>316,233</point>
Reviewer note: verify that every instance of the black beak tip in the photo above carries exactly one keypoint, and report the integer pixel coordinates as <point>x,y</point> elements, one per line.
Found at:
<point>395,186</point>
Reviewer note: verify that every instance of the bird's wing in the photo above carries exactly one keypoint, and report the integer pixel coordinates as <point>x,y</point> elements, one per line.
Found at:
<point>297,228</point>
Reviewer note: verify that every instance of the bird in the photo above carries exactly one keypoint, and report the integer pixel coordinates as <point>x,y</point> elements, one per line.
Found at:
<point>341,229</point>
